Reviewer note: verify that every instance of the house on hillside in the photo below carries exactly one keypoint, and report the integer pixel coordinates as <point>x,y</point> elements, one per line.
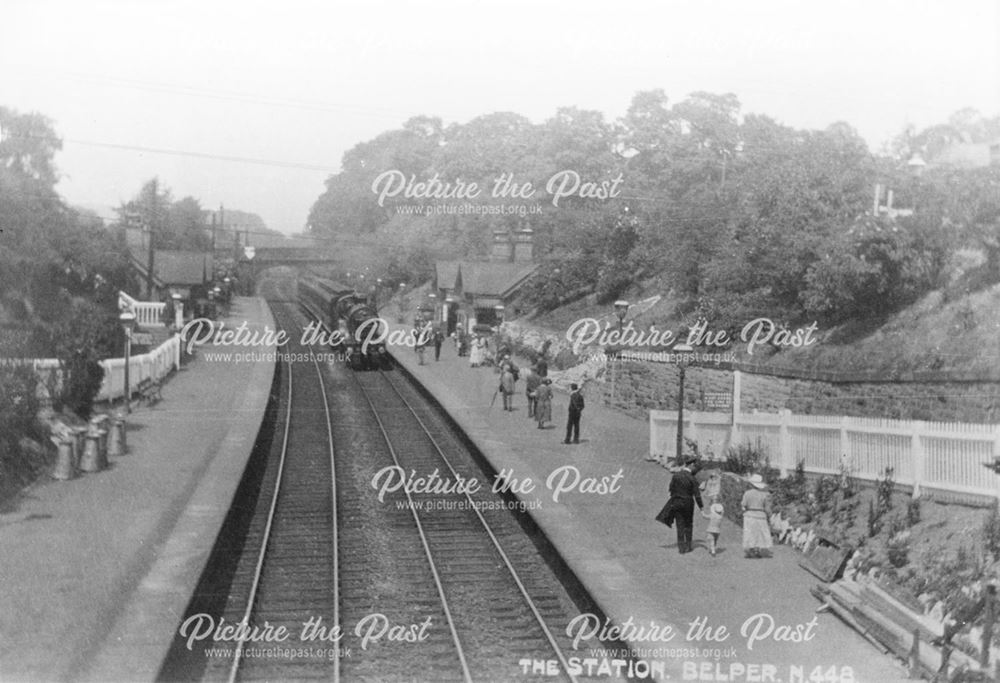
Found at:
<point>470,293</point>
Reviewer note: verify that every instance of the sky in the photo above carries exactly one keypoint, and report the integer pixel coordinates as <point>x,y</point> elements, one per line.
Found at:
<point>251,105</point>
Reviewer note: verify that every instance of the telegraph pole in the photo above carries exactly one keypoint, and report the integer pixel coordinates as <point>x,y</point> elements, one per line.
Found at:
<point>151,223</point>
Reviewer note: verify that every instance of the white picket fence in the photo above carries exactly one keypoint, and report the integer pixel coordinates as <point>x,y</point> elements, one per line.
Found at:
<point>155,365</point>
<point>941,456</point>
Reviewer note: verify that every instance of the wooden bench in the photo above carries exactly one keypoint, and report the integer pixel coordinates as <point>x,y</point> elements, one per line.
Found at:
<point>149,391</point>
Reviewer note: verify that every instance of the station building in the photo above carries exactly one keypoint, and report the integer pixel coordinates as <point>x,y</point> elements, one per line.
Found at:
<point>467,294</point>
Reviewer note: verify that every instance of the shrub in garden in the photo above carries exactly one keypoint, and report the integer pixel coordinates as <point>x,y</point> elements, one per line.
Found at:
<point>991,533</point>
<point>18,407</point>
<point>882,503</point>
<point>81,339</point>
<point>790,490</point>
<point>746,459</point>
<point>913,512</point>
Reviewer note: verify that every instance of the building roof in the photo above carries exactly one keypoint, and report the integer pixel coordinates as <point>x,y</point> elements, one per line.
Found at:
<point>177,268</point>
<point>446,273</point>
<point>483,278</point>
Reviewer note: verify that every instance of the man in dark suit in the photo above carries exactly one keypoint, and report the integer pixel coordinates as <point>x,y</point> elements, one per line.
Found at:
<point>575,410</point>
<point>684,493</point>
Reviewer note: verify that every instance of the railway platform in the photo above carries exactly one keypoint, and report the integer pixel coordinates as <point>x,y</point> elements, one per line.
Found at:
<point>95,573</point>
<point>733,618</point>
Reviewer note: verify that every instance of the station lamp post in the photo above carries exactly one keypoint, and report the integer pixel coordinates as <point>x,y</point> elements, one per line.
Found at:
<point>621,310</point>
<point>127,319</point>
<point>682,347</point>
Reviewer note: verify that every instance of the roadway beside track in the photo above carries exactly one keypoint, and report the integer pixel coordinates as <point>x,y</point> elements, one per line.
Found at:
<point>627,561</point>
<point>97,571</point>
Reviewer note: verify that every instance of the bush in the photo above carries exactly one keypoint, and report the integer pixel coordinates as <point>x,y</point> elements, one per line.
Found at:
<point>882,503</point>
<point>18,405</point>
<point>81,339</point>
<point>991,533</point>
<point>790,489</point>
<point>913,512</point>
<point>746,458</point>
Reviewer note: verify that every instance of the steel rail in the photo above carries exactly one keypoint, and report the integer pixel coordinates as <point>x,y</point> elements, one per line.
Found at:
<point>489,531</point>
<point>258,571</point>
<point>423,539</point>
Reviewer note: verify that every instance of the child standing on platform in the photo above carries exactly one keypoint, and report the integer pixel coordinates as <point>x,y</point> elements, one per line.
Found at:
<point>713,514</point>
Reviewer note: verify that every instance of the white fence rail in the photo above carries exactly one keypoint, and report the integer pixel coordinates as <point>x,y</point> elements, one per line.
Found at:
<point>147,313</point>
<point>953,457</point>
<point>154,365</point>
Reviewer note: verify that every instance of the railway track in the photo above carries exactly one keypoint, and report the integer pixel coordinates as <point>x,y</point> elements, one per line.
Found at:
<point>433,585</point>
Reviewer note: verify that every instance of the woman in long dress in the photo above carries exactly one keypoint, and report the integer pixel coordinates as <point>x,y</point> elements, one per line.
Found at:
<point>476,355</point>
<point>543,403</point>
<point>756,506</point>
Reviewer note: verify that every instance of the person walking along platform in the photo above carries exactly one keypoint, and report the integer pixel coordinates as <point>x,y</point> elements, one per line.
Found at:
<point>684,493</point>
<point>532,380</point>
<point>756,506</point>
<point>575,410</point>
<point>543,403</point>
<point>507,388</point>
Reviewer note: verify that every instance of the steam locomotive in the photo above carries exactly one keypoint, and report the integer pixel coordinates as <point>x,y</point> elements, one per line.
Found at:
<point>360,333</point>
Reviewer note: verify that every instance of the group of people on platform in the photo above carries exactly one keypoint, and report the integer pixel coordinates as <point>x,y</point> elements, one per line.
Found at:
<point>537,385</point>
<point>686,491</point>
<point>538,392</point>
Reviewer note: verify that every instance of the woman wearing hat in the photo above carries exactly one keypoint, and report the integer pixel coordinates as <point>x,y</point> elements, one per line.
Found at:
<point>543,403</point>
<point>756,506</point>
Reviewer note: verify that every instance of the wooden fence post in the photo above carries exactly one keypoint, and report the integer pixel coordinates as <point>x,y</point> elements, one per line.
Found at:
<point>917,454</point>
<point>845,443</point>
<point>787,463</point>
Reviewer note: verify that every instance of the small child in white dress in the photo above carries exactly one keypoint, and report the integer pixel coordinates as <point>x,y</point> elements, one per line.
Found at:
<point>713,514</point>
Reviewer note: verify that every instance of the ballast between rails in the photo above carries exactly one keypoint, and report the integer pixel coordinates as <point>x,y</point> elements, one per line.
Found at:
<point>548,636</point>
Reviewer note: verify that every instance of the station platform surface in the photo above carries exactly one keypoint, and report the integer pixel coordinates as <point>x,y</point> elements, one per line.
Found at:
<point>629,562</point>
<point>95,572</point>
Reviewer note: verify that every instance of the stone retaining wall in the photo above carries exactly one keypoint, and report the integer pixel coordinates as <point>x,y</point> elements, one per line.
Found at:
<point>636,387</point>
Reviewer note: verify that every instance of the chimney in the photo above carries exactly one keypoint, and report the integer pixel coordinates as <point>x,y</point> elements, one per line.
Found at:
<point>524,246</point>
<point>501,251</point>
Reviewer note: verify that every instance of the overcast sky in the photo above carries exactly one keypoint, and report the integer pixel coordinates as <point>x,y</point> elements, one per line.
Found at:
<point>300,83</point>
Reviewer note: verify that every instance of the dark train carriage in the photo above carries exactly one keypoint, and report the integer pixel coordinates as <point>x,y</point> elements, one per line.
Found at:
<point>341,308</point>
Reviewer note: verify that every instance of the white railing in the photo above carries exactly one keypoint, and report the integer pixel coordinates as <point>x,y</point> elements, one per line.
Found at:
<point>154,365</point>
<point>955,457</point>
<point>147,313</point>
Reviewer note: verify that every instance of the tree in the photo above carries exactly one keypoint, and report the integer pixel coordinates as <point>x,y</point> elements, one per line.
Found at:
<point>185,227</point>
<point>28,145</point>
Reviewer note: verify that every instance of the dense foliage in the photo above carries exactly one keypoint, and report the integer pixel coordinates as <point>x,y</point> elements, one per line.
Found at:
<point>736,213</point>
<point>60,270</point>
